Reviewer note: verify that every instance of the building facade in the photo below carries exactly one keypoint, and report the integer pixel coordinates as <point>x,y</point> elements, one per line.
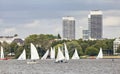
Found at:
<point>95,24</point>
<point>85,34</point>
<point>10,39</point>
<point>116,44</point>
<point>7,39</point>
<point>68,28</point>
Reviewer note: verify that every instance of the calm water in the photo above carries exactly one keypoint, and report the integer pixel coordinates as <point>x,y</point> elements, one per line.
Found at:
<point>82,66</point>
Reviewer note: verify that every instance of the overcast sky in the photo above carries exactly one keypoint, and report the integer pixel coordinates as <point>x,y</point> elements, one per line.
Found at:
<point>26,17</point>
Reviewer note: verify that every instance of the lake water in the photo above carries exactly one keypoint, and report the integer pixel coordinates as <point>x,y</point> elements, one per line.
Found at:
<point>82,66</point>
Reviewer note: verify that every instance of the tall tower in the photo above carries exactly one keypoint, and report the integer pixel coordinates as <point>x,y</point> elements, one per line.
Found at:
<point>95,24</point>
<point>68,28</point>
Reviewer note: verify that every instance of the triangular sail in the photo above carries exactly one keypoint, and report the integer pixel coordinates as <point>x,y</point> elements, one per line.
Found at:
<point>22,56</point>
<point>34,53</point>
<point>2,53</point>
<point>45,55</point>
<point>75,55</point>
<point>100,54</point>
<point>66,52</point>
<point>52,53</point>
<point>60,55</point>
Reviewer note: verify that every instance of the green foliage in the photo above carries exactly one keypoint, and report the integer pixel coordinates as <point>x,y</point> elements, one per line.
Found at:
<point>41,40</point>
<point>91,51</point>
<point>15,35</point>
<point>100,43</point>
<point>19,51</point>
<point>72,45</point>
<point>84,46</point>
<point>6,48</point>
<point>59,37</point>
<point>44,42</point>
<point>13,47</point>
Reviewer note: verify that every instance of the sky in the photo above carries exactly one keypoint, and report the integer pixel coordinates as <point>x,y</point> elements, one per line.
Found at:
<point>26,17</point>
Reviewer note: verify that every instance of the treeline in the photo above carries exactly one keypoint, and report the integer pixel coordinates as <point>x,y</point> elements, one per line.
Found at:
<point>44,42</point>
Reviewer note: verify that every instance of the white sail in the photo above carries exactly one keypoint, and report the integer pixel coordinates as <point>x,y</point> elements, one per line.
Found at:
<point>60,55</point>
<point>75,55</point>
<point>100,54</point>
<point>2,53</point>
<point>45,55</point>
<point>66,52</point>
<point>22,56</point>
<point>52,53</point>
<point>34,53</point>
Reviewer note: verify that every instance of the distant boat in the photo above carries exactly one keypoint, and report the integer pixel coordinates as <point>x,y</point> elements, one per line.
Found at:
<point>45,55</point>
<point>75,55</point>
<point>52,53</point>
<point>34,54</point>
<point>2,54</point>
<point>22,56</point>
<point>60,56</point>
<point>100,54</point>
<point>66,52</point>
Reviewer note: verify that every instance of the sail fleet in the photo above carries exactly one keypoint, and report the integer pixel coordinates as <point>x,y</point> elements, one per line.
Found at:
<point>60,56</point>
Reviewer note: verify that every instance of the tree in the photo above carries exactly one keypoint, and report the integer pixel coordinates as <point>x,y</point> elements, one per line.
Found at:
<point>6,48</point>
<point>84,46</point>
<point>91,51</point>
<point>19,51</point>
<point>42,42</point>
<point>72,45</point>
<point>13,47</point>
<point>15,35</point>
<point>59,37</point>
<point>100,44</point>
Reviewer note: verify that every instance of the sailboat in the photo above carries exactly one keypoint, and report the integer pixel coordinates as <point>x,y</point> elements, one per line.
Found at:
<point>75,55</point>
<point>2,54</point>
<point>22,56</point>
<point>45,55</point>
<point>52,53</point>
<point>100,54</point>
<point>66,52</point>
<point>34,54</point>
<point>60,56</point>
<point>2,57</point>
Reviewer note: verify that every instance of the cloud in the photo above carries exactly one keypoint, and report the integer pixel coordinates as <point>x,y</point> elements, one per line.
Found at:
<point>111,21</point>
<point>41,26</point>
<point>1,20</point>
<point>9,31</point>
<point>36,17</point>
<point>33,24</point>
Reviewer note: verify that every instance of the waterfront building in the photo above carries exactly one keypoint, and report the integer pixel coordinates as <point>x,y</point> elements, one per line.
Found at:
<point>68,28</point>
<point>95,24</point>
<point>116,44</point>
<point>85,34</point>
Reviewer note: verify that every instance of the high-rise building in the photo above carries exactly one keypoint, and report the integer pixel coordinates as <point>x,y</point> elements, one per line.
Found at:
<point>95,24</point>
<point>68,28</point>
<point>85,34</point>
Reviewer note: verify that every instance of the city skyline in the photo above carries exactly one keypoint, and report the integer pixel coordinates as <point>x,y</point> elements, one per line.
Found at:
<point>45,17</point>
